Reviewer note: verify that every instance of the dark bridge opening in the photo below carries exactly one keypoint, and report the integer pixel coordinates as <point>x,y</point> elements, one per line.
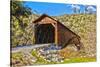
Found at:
<point>44,33</point>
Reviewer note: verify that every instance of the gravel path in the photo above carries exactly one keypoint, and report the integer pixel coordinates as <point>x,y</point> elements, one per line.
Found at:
<point>27,48</point>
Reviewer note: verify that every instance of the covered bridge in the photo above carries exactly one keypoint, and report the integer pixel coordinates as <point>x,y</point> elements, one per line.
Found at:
<point>49,30</point>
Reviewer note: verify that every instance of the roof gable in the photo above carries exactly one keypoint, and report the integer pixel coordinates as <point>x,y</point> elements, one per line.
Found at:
<point>45,19</point>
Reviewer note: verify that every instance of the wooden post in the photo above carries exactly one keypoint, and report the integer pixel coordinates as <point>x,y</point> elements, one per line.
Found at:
<point>56,34</point>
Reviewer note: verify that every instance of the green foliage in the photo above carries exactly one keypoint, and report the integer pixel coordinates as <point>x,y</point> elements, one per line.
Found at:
<point>20,20</point>
<point>17,9</point>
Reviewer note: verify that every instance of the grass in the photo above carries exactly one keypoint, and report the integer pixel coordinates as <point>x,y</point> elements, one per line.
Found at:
<point>79,59</point>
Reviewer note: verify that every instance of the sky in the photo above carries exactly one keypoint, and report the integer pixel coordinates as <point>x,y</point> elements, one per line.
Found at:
<point>54,9</point>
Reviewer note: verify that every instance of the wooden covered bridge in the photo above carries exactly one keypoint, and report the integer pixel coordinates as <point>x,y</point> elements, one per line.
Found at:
<point>49,30</point>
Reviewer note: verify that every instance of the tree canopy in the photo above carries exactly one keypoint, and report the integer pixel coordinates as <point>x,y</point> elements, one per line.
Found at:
<point>19,22</point>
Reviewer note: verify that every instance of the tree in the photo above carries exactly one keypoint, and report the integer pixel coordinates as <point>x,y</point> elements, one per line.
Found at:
<point>18,10</point>
<point>18,14</point>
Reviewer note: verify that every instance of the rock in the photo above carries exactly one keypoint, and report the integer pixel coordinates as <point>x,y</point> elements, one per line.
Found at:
<point>33,59</point>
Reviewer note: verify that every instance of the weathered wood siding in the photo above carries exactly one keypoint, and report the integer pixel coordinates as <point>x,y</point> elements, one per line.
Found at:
<point>64,34</point>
